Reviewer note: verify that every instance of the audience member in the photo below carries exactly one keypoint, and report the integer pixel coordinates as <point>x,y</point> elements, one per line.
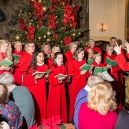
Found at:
<point>82,95</point>
<point>99,113</point>
<point>22,98</point>
<point>9,110</point>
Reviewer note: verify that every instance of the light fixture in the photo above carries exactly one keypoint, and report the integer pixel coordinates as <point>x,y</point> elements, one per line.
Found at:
<point>102,27</point>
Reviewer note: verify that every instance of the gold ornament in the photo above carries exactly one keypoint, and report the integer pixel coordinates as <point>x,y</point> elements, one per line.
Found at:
<point>37,26</point>
<point>48,33</point>
<point>21,11</point>
<point>33,0</point>
<point>39,1</point>
<point>56,21</point>
<point>63,3</point>
<point>30,23</point>
<point>61,41</point>
<point>45,8</point>
<point>44,36</point>
<point>79,33</point>
<point>29,13</point>
<point>74,34</point>
<point>17,37</point>
<point>48,40</point>
<point>39,38</point>
<point>70,25</point>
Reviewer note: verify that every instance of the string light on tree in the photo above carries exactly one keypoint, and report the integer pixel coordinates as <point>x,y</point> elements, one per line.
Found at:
<point>49,33</point>
<point>39,38</point>
<point>44,36</point>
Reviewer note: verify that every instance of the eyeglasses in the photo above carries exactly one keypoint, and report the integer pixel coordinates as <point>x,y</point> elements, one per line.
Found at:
<point>31,46</point>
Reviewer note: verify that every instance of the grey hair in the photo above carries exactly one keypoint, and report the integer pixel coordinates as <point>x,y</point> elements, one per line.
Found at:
<point>6,78</point>
<point>91,40</point>
<point>94,79</point>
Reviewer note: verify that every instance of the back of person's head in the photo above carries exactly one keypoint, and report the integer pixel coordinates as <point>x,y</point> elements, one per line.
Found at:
<point>94,79</point>
<point>4,94</point>
<point>96,54</point>
<point>6,78</point>
<point>101,98</point>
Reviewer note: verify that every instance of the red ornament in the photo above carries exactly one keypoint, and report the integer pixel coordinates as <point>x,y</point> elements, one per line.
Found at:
<point>67,40</point>
<point>22,24</point>
<point>30,34</point>
<point>52,22</point>
<point>55,36</point>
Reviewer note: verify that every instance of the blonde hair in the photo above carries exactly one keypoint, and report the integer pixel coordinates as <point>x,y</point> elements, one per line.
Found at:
<point>96,54</point>
<point>9,51</point>
<point>101,98</point>
<point>26,46</point>
<point>77,52</point>
<point>46,43</point>
<point>53,49</point>
<point>94,79</point>
<point>109,46</point>
<point>71,44</point>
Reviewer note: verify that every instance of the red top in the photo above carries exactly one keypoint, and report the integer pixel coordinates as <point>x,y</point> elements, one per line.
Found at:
<point>95,49</point>
<point>3,56</point>
<point>121,61</point>
<point>89,119</point>
<point>19,53</point>
<point>68,57</point>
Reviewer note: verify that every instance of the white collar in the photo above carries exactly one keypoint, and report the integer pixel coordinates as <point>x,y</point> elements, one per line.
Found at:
<point>97,62</point>
<point>79,60</point>
<point>87,88</point>
<point>40,64</point>
<point>13,87</point>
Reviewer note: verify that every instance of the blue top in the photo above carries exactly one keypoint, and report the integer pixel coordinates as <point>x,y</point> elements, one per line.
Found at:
<point>78,103</point>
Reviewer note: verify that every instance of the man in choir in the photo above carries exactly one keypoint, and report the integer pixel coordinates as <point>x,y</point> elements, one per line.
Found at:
<point>22,98</point>
<point>17,52</point>
<point>26,58</point>
<point>93,46</point>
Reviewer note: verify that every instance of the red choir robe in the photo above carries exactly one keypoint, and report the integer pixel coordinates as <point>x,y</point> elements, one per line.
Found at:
<point>68,57</point>
<point>38,90</point>
<point>17,74</point>
<point>24,63</point>
<point>3,56</point>
<point>98,65</point>
<point>49,61</point>
<point>56,104</point>
<point>116,73</point>
<point>121,61</point>
<point>78,82</point>
<point>95,49</point>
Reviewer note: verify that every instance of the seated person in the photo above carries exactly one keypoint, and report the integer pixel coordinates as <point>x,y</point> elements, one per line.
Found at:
<point>82,95</point>
<point>99,112</point>
<point>22,98</point>
<point>9,110</point>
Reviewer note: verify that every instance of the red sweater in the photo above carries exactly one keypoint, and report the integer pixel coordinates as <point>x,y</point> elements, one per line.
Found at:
<point>89,119</point>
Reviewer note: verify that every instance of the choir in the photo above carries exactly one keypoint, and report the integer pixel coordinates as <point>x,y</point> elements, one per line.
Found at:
<point>64,73</point>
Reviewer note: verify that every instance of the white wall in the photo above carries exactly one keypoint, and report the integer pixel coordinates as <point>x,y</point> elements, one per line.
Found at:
<point>109,12</point>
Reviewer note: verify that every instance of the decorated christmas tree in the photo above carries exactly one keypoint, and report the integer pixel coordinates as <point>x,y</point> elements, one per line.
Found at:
<point>54,21</point>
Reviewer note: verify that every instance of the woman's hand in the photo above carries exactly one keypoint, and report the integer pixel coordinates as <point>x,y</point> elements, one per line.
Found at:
<point>117,49</point>
<point>38,76</point>
<point>109,66</point>
<point>83,72</point>
<point>2,68</point>
<point>61,78</point>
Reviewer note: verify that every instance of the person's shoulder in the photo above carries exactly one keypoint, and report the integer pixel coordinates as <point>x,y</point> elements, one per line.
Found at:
<point>21,89</point>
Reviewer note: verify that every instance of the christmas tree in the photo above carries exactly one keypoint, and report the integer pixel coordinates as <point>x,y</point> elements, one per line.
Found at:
<point>54,21</point>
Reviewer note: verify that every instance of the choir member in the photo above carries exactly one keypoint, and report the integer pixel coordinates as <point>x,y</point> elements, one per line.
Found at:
<point>26,58</point>
<point>57,98</point>
<point>37,84</point>
<point>54,50</point>
<point>17,74</point>
<point>46,48</point>
<point>113,41</point>
<point>97,63</point>
<point>79,78</point>
<point>93,47</point>
<point>116,74</point>
<point>69,54</point>
<point>5,52</point>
